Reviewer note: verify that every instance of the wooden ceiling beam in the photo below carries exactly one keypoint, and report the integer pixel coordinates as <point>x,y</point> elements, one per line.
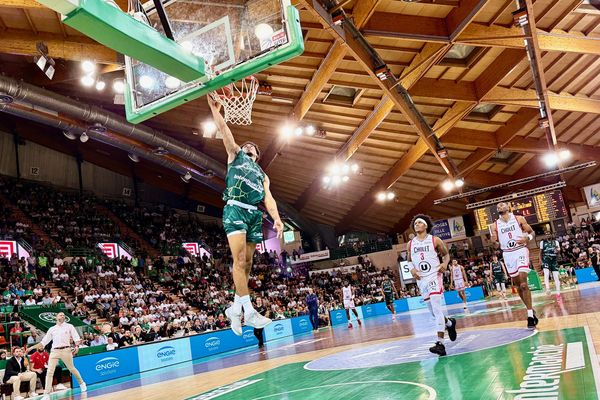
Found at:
<point>362,12</point>
<point>23,4</point>
<point>409,27</point>
<point>459,18</point>
<point>528,98</point>
<point>23,43</point>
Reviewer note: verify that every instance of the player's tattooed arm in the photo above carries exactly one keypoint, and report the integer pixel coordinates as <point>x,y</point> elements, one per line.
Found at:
<point>527,229</point>
<point>443,252</point>
<point>231,146</point>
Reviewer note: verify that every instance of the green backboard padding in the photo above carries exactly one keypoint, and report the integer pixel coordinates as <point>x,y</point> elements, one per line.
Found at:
<point>294,48</point>
<point>121,32</point>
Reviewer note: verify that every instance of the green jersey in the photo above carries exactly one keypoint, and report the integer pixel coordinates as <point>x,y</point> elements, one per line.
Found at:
<point>245,180</point>
<point>387,288</point>
<point>549,249</point>
<point>497,269</point>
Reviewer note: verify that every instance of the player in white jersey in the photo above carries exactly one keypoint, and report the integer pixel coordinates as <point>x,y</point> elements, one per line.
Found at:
<point>348,299</point>
<point>424,251</point>
<point>513,233</point>
<point>459,281</point>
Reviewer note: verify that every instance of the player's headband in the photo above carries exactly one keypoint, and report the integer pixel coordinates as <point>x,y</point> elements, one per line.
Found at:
<point>422,221</point>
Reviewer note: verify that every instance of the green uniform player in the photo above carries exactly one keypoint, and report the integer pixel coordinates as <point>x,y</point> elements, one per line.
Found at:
<point>246,186</point>
<point>388,289</point>
<point>245,189</point>
<point>498,271</point>
<point>549,254</point>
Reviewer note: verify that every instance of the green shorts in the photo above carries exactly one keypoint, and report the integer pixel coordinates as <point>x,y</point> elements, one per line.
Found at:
<point>550,263</point>
<point>240,220</point>
<point>500,278</point>
<point>389,299</point>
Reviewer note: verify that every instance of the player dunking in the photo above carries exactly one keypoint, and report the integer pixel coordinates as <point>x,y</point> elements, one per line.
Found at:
<point>549,255</point>
<point>459,281</point>
<point>513,233</point>
<point>424,251</point>
<point>247,185</point>
<point>348,299</point>
<point>388,289</point>
<point>498,271</point>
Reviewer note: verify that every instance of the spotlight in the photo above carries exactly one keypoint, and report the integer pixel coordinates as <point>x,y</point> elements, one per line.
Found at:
<point>50,72</point>
<point>84,137</point>
<point>381,196</point>
<point>118,86</point>
<point>564,154</point>
<point>326,179</point>
<point>459,182</point>
<point>208,129</point>
<point>447,186</point>
<point>187,45</point>
<point>390,195</point>
<point>354,168</point>
<point>264,32</point>
<point>88,67</point>
<point>133,157</point>
<point>310,130</point>
<point>298,131</point>
<point>336,179</point>
<point>345,168</point>
<point>287,130</point>
<point>88,81</point>
<point>186,178</point>
<point>69,135</point>
<point>100,85</point>
<point>335,168</point>
<point>172,82</point>
<point>550,159</point>
<point>146,81</point>
<point>345,178</point>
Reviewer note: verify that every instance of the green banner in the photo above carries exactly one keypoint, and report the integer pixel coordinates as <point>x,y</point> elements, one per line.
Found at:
<point>44,317</point>
<point>533,280</point>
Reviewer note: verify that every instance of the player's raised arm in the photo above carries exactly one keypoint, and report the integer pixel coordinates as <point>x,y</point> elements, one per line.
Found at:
<point>231,146</point>
<point>271,206</point>
<point>442,251</point>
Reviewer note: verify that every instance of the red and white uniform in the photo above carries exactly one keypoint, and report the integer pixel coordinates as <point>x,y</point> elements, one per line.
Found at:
<point>348,297</point>
<point>516,256</point>
<point>426,261</point>
<point>458,278</point>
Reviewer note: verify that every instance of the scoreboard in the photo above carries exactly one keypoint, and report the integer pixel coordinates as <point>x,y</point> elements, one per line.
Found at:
<point>542,207</point>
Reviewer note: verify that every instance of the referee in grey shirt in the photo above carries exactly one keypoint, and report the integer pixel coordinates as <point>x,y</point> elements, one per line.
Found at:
<point>61,335</point>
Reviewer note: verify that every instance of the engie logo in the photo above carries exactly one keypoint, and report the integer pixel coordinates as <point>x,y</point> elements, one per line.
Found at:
<point>248,336</point>
<point>50,317</point>
<point>278,329</point>
<point>369,309</point>
<point>339,316</point>
<point>212,343</point>
<point>107,366</point>
<point>303,323</point>
<point>166,353</point>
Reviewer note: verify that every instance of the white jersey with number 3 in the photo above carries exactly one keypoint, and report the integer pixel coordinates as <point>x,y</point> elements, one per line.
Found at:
<point>347,292</point>
<point>508,233</point>
<point>424,256</point>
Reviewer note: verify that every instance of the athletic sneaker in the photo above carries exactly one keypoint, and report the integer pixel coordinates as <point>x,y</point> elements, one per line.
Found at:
<point>83,387</point>
<point>452,329</point>
<point>535,319</point>
<point>255,320</point>
<point>60,386</point>
<point>349,324</point>
<point>236,320</point>
<point>530,323</point>
<point>438,349</point>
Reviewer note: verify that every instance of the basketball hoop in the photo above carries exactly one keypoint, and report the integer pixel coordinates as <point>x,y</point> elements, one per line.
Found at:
<point>237,100</point>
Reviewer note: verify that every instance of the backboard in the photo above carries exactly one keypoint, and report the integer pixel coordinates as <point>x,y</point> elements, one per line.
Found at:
<point>236,38</point>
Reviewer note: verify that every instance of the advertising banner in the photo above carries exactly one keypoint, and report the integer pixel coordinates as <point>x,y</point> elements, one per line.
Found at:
<point>373,310</point>
<point>457,227</point>
<point>10,247</point>
<point>415,303</point>
<point>278,329</point>
<point>400,305</point>
<point>592,195</point>
<point>195,249</point>
<point>212,343</point>
<point>301,325</point>
<point>441,229</point>
<point>338,317</point>
<point>109,365</point>
<point>473,294</point>
<point>586,275</point>
<point>162,354</point>
<point>310,257</point>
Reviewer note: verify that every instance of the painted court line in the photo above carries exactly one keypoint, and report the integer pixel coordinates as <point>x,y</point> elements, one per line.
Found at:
<point>594,359</point>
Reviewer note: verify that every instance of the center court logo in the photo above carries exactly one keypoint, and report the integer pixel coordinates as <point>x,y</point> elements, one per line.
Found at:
<point>166,353</point>
<point>107,366</point>
<point>51,317</point>
<point>212,343</point>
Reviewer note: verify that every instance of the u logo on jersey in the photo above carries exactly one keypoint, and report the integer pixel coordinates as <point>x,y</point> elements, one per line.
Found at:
<point>512,243</point>
<point>424,266</point>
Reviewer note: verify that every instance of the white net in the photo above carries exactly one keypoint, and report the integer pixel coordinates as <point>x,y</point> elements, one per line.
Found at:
<point>237,100</point>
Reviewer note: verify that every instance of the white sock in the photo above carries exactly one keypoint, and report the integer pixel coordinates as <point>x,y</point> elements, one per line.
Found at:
<point>247,304</point>
<point>237,304</point>
<point>448,323</point>
<point>441,340</point>
<point>556,277</point>
<point>530,313</point>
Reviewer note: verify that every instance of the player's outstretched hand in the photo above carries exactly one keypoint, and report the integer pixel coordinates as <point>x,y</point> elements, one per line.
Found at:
<point>213,104</point>
<point>278,225</point>
<point>523,240</point>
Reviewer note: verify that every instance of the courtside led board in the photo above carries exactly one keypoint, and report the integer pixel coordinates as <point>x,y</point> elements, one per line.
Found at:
<point>235,38</point>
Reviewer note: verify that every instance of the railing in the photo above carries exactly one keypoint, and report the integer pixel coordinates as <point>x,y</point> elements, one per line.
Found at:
<point>127,248</point>
<point>25,245</point>
<point>364,248</point>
